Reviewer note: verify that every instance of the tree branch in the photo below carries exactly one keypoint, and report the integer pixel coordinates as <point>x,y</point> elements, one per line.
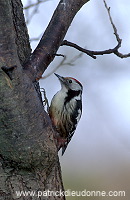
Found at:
<point>53,37</point>
<point>108,51</point>
<point>119,40</point>
<point>88,52</point>
<point>54,34</point>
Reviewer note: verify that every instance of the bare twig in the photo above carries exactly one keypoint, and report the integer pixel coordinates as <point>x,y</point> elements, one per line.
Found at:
<point>33,4</point>
<point>90,52</point>
<point>57,54</point>
<point>62,63</point>
<point>113,25</point>
<point>119,40</point>
<point>54,70</point>
<point>67,43</point>
<point>36,38</point>
<point>75,58</point>
<point>122,55</point>
<point>35,7</point>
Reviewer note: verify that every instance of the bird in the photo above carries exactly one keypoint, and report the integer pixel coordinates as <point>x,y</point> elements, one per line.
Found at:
<point>66,109</point>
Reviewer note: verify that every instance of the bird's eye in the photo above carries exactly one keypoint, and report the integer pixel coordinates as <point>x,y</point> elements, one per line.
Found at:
<point>70,81</point>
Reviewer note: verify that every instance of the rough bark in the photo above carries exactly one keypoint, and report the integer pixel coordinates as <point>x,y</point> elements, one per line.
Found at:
<point>28,155</point>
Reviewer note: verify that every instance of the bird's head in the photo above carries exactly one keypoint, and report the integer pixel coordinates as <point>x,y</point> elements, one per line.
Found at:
<point>70,83</point>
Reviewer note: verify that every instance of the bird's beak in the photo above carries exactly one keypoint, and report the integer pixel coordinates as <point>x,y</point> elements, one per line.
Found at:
<point>61,78</point>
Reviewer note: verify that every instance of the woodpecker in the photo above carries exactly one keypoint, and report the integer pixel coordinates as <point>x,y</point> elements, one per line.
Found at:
<point>66,109</point>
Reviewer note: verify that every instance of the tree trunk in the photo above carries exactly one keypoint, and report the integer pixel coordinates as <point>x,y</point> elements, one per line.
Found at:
<point>29,160</point>
<point>28,155</point>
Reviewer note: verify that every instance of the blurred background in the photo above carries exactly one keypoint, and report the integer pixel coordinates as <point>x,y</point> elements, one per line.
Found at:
<point>98,157</point>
